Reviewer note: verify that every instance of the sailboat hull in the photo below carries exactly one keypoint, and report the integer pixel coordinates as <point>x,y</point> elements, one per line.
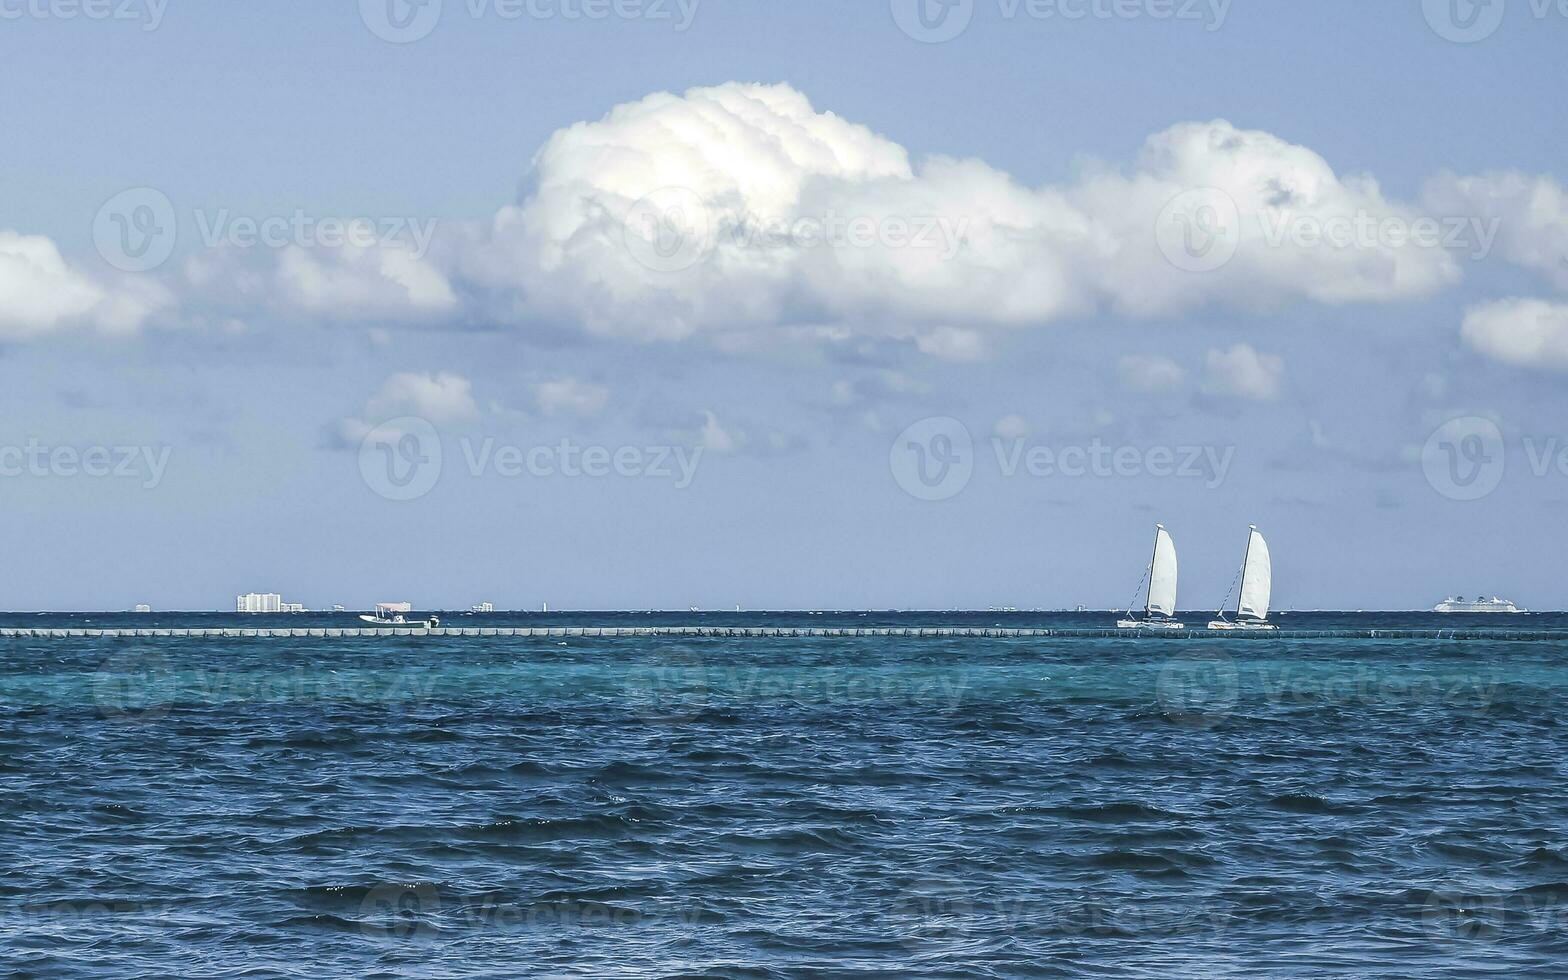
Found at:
<point>1242,626</point>
<point>1149,624</point>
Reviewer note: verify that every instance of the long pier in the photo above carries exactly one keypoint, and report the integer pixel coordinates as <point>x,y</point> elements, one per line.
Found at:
<point>738,632</point>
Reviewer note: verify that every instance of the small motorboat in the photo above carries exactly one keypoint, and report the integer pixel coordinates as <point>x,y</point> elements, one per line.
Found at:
<point>395,614</point>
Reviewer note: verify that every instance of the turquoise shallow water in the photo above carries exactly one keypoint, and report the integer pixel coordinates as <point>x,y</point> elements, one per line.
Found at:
<point>785,806</point>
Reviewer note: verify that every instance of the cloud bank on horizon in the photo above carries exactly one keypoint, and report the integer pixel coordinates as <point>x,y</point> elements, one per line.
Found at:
<point>741,215</point>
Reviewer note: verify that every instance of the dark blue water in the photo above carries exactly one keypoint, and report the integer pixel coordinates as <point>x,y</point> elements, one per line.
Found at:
<point>783,807</point>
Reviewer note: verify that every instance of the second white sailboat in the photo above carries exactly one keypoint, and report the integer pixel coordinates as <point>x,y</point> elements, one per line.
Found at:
<point>1257,582</point>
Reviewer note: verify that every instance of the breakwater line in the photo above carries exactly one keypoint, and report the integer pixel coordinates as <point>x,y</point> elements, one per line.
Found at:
<point>746,632</point>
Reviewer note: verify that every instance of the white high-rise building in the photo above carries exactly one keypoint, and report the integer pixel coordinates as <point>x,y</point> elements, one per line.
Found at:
<point>483,607</point>
<point>259,602</point>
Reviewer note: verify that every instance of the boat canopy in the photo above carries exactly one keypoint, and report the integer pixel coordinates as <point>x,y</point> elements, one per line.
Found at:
<point>394,607</point>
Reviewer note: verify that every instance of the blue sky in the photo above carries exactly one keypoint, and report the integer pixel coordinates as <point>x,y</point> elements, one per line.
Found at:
<point>1386,410</point>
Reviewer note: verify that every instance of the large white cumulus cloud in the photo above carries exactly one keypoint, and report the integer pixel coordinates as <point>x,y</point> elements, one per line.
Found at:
<point>1298,229</point>
<point>38,289</point>
<point>744,215</point>
<point>1529,212</point>
<point>41,292</point>
<point>773,212</point>
<point>739,150</point>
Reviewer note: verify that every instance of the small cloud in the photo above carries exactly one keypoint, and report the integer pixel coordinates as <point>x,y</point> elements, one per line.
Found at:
<point>1242,372</point>
<point>1149,373</point>
<point>569,396</point>
<point>1294,500</point>
<point>1319,438</point>
<point>1318,447</point>
<point>898,383</point>
<point>875,388</point>
<point>953,344</point>
<point>130,303</point>
<point>752,439</point>
<point>350,282</point>
<point>717,439</point>
<point>1011,427</point>
<point>441,398</point>
<point>779,443</point>
<point>386,282</point>
<point>1529,333</point>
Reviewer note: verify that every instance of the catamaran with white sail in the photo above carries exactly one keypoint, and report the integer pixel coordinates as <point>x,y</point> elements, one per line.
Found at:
<point>1160,603</point>
<point>1257,582</point>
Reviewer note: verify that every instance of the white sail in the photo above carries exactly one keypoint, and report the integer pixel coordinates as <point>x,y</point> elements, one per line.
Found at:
<point>1257,578</point>
<point>1162,575</point>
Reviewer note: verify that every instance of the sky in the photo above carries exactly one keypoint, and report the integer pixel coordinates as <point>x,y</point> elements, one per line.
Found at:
<point>626,304</point>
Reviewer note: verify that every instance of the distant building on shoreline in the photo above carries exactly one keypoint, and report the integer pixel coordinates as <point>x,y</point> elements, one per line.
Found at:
<point>266,602</point>
<point>141,607</point>
<point>482,607</point>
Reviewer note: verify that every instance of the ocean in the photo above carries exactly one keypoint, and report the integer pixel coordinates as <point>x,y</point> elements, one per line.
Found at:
<point>784,806</point>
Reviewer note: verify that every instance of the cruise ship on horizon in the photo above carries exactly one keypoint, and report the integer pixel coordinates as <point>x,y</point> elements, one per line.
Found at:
<point>1459,604</point>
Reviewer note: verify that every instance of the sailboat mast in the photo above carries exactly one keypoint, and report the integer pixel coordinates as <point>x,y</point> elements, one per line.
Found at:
<point>1242,590</point>
<point>1148,594</point>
